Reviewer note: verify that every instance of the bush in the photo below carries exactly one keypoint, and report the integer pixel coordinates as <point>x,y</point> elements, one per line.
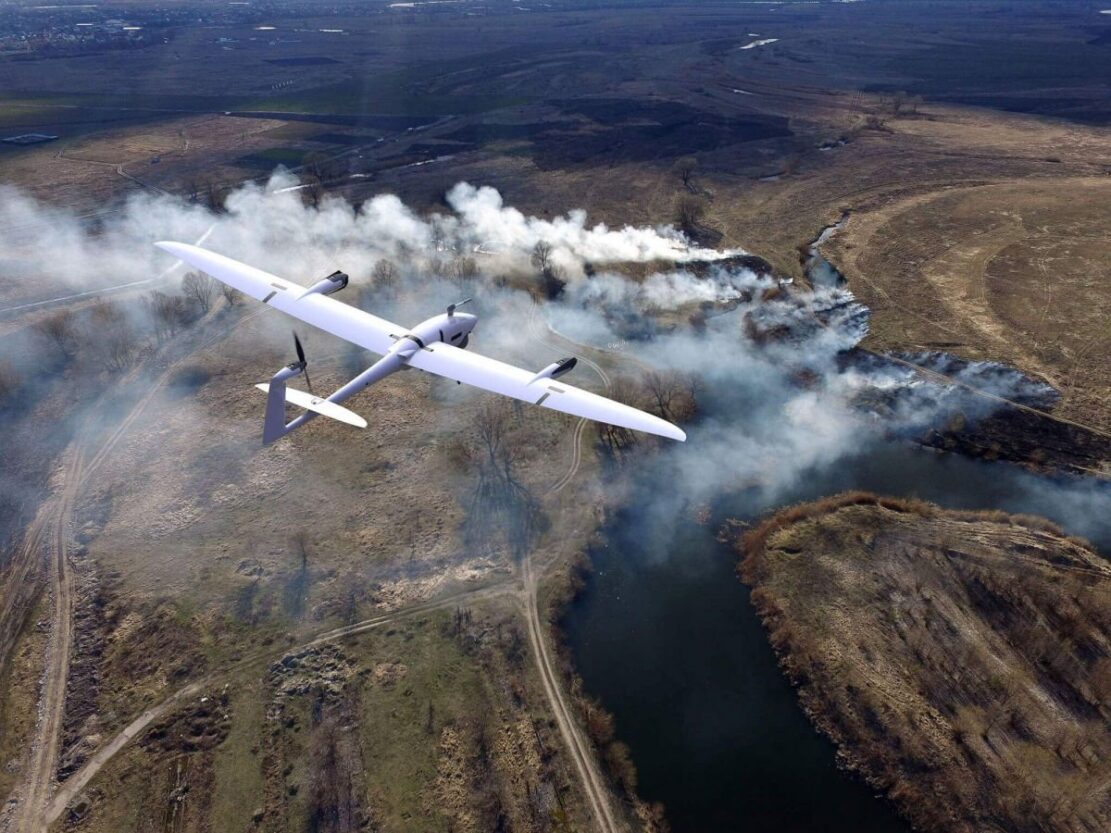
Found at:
<point>10,383</point>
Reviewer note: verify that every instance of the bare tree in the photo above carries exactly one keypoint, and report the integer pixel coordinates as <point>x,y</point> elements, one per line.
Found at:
<point>542,256</point>
<point>462,270</point>
<point>385,274</point>
<point>200,288</point>
<point>437,266</point>
<point>112,337</point>
<point>685,167</point>
<point>232,296</point>
<point>439,237</point>
<point>689,212</point>
<point>106,315</point>
<point>615,438</point>
<point>500,500</point>
<point>672,394</point>
<point>60,328</point>
<point>551,275</point>
<point>168,313</point>
<point>120,347</point>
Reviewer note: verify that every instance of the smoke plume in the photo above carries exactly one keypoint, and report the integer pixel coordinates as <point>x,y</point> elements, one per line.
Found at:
<point>777,400</point>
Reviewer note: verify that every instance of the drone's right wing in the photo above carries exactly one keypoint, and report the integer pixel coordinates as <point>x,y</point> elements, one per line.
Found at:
<point>492,375</point>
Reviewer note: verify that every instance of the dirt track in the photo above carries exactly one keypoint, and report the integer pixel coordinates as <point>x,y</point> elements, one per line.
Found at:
<point>593,784</point>
<point>52,704</point>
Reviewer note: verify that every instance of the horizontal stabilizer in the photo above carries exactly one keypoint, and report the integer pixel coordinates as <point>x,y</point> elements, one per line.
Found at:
<point>320,406</point>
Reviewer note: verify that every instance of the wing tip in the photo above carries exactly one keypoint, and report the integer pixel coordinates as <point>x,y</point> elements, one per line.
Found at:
<point>674,432</point>
<point>172,246</point>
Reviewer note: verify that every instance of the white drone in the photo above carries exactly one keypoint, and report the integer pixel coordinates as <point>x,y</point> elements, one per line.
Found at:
<point>436,345</point>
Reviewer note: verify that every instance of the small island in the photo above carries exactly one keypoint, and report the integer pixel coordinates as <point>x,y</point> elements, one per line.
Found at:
<point>961,661</point>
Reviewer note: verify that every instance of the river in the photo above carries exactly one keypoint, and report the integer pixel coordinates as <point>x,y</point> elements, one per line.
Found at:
<point>664,635</point>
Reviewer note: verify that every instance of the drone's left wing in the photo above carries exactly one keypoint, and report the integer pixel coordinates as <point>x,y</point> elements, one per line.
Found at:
<point>333,316</point>
<point>490,374</point>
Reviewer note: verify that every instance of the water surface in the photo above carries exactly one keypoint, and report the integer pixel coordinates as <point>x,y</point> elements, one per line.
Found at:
<point>664,635</point>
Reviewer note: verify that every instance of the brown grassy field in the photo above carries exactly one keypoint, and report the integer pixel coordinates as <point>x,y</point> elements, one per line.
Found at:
<point>436,723</point>
<point>960,661</point>
<point>971,228</point>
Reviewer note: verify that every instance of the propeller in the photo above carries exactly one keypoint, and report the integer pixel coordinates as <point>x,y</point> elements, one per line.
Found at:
<point>452,307</point>
<point>302,361</point>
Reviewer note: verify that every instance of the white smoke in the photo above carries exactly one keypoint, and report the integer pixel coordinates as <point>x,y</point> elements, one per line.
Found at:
<point>776,398</point>
<point>269,226</point>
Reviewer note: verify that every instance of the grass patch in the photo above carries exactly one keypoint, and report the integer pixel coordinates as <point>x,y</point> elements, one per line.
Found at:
<point>18,684</point>
<point>400,751</point>
<point>238,767</point>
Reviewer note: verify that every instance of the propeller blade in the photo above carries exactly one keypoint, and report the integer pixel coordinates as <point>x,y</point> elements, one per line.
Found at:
<point>304,362</point>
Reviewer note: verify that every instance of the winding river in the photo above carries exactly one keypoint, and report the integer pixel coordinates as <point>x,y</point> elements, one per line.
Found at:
<point>664,635</point>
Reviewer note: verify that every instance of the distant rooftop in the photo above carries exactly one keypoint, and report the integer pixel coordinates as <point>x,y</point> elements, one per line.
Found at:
<point>29,138</point>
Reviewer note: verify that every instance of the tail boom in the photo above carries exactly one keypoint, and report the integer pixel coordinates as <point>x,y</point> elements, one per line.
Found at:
<point>277,394</point>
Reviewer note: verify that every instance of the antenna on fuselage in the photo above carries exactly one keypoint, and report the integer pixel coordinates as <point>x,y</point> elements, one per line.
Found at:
<point>452,307</point>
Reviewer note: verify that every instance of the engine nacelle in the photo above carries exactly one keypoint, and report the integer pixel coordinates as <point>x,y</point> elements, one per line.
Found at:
<point>329,286</point>
<point>555,369</point>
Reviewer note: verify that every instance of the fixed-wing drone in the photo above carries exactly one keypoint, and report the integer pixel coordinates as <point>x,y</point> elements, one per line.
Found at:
<point>436,345</point>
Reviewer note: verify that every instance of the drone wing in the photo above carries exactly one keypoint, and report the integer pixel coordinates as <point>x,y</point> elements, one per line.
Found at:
<point>490,374</point>
<point>340,319</point>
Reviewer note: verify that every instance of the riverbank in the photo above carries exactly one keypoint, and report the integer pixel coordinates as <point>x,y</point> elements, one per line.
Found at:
<point>959,660</point>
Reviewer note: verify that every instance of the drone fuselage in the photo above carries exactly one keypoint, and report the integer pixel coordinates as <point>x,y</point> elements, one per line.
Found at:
<point>452,328</point>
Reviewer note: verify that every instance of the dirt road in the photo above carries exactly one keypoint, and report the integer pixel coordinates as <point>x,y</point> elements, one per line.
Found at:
<point>594,785</point>
<point>581,754</point>
<point>27,816</point>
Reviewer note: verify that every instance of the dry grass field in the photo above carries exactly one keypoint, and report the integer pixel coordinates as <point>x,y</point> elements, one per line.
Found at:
<point>958,660</point>
<point>973,173</point>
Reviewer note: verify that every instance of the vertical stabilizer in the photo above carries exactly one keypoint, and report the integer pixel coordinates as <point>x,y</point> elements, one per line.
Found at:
<point>274,428</point>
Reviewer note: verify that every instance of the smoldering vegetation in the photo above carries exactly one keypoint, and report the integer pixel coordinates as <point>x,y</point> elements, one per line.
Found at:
<point>765,375</point>
<point>54,369</point>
